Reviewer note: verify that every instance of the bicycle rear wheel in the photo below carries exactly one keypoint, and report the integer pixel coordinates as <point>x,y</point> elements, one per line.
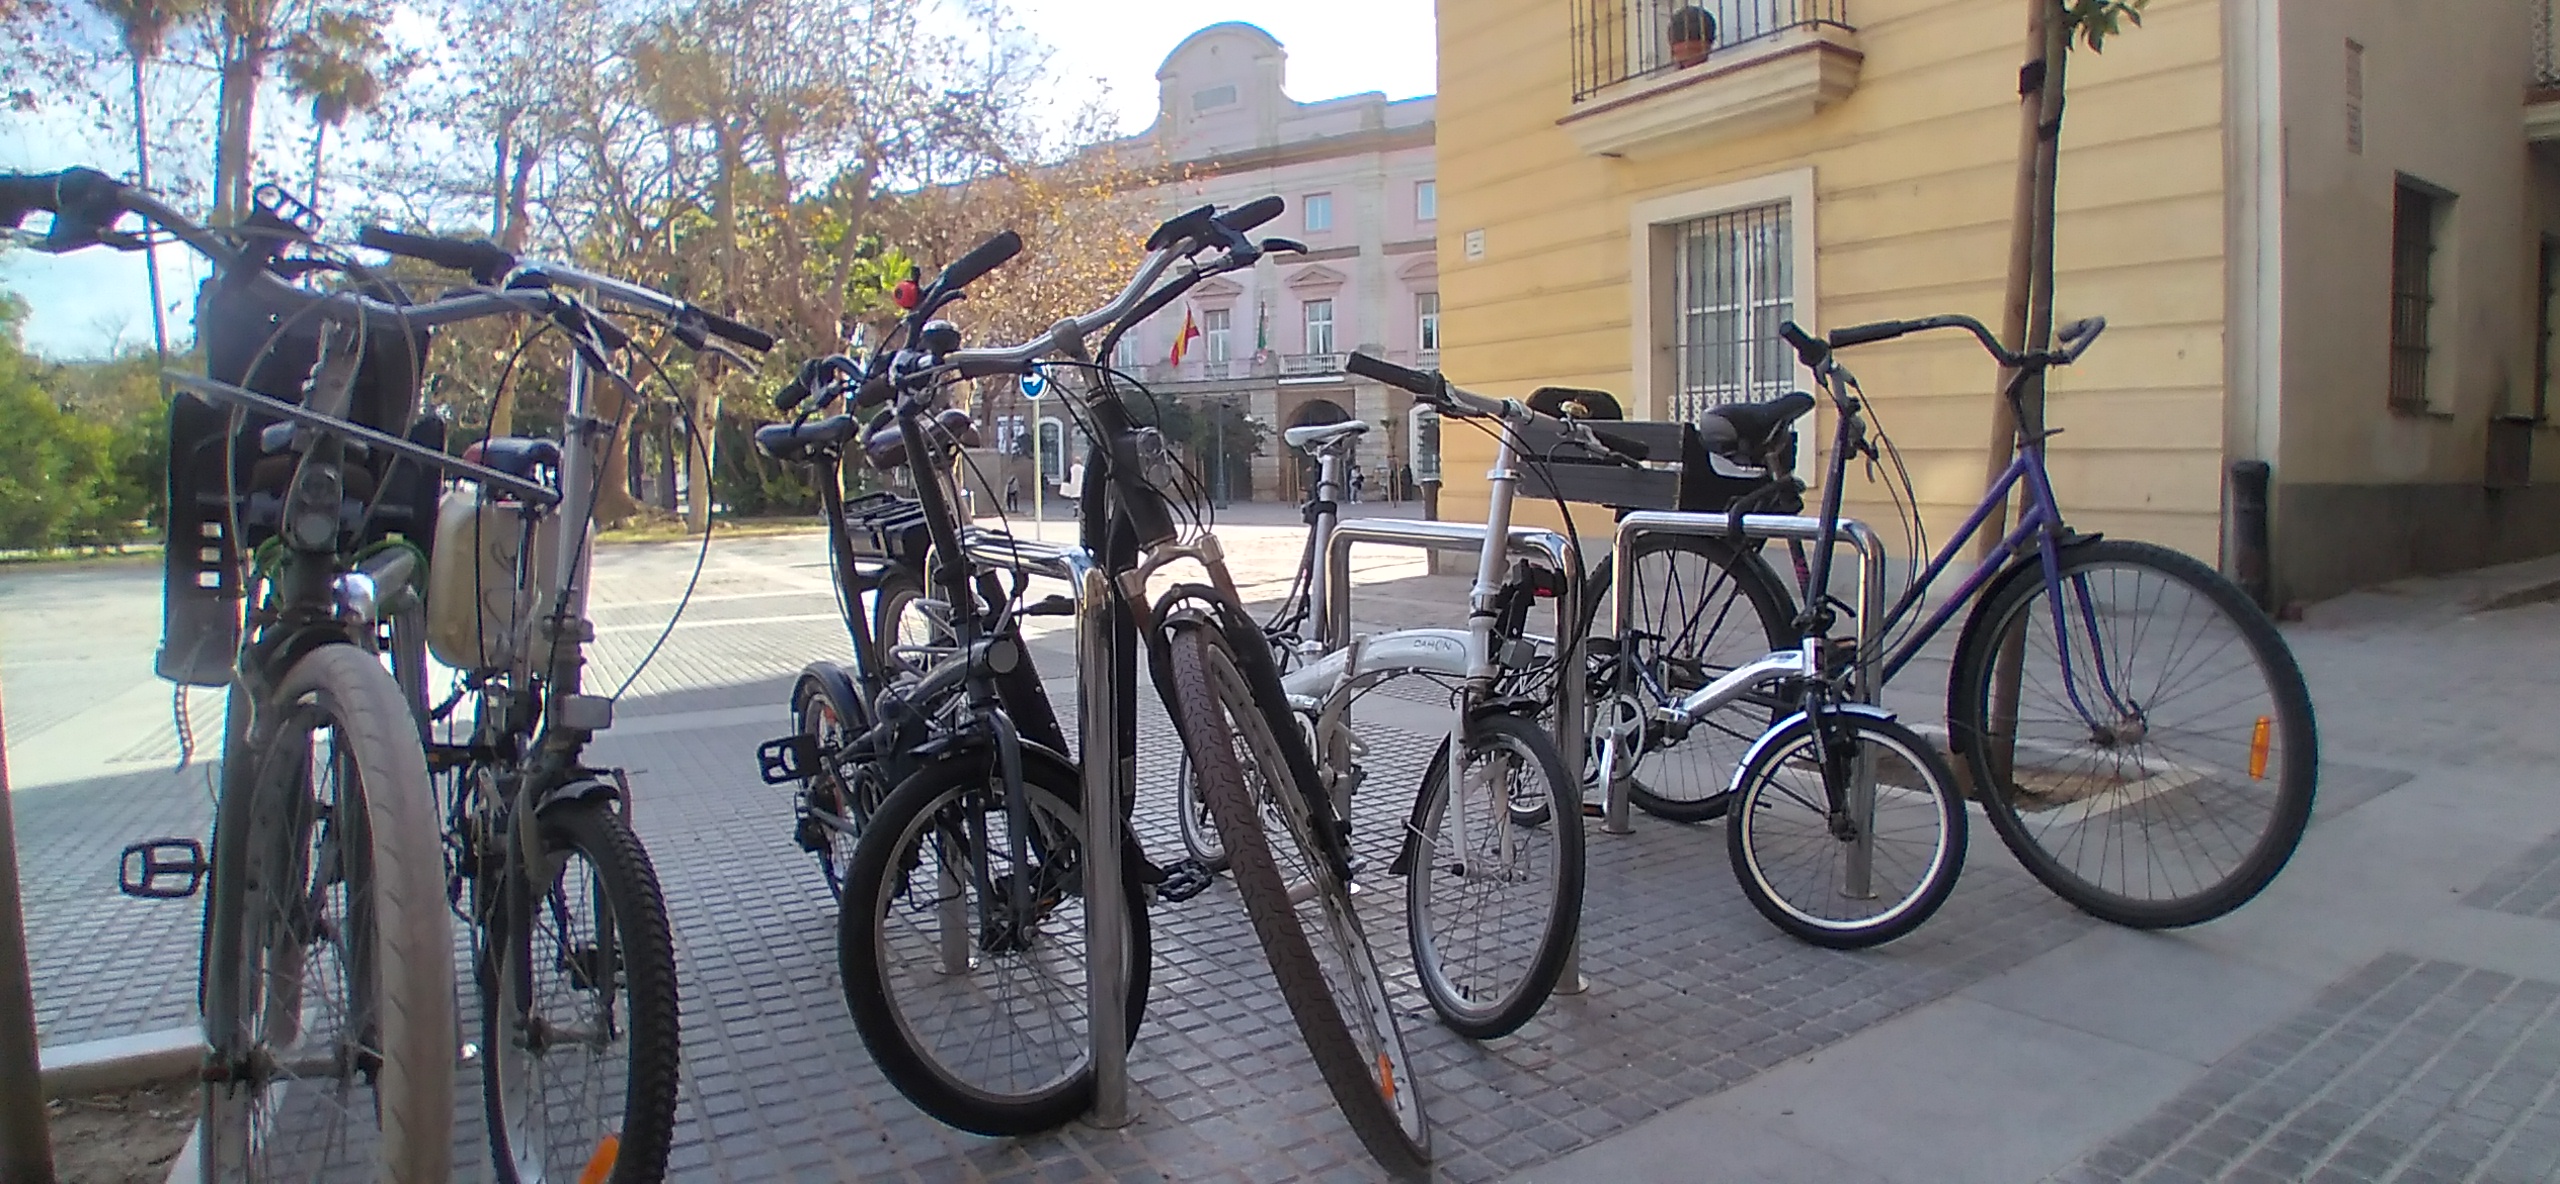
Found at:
<point>1494,895</point>
<point>1294,890</point>
<point>2161,767</point>
<point>579,1033</point>
<point>1793,842</point>
<point>980,1017</point>
<point>329,951</point>
<point>1701,608</point>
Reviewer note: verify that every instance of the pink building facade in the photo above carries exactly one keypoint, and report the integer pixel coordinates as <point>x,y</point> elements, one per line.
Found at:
<point>1357,174</point>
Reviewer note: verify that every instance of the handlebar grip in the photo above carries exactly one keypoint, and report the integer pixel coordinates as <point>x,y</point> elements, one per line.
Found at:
<point>22,194</point>
<point>746,335</point>
<point>969,367</point>
<point>986,257</point>
<point>486,261</point>
<point>1393,375</point>
<point>791,395</point>
<point>1866,334</point>
<point>1809,348</point>
<point>1253,213</point>
<point>2076,337</point>
<point>873,393</point>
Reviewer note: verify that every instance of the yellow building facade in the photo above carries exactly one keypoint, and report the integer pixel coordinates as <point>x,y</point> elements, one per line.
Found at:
<point>1616,214</point>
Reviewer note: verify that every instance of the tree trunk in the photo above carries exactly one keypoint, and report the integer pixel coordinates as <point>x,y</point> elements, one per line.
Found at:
<point>319,142</point>
<point>614,505</point>
<point>150,256</point>
<point>667,462</point>
<point>857,210</point>
<point>2028,325</point>
<point>698,458</point>
<point>244,66</point>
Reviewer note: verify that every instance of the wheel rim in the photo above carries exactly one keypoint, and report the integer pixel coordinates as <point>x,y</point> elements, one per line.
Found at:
<point>1693,623</point>
<point>562,1050</point>
<point>1801,865</point>
<point>1480,912</point>
<point>2162,783</point>
<point>830,806</point>
<point>303,1106</point>
<point>1000,1021</point>
<point>1326,914</point>
<point>918,627</point>
<point>1199,828</point>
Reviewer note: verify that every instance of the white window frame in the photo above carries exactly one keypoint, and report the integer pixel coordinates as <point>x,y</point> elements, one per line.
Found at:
<point>1215,324</point>
<point>1652,233</point>
<point>1426,201</point>
<point>1313,204</point>
<point>1426,321</point>
<point>1308,323</point>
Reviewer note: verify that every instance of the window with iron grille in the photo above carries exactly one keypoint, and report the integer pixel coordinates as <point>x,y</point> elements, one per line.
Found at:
<point>1213,330</point>
<point>1319,326</point>
<point>1732,283</point>
<point>2415,213</point>
<point>1426,318</point>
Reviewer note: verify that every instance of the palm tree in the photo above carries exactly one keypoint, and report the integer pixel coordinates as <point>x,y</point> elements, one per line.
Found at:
<point>334,65</point>
<point>145,26</point>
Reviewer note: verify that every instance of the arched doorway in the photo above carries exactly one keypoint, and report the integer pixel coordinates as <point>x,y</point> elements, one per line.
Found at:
<point>1301,469</point>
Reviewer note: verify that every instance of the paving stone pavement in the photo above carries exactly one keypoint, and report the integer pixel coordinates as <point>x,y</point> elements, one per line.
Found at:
<point>2408,1069</point>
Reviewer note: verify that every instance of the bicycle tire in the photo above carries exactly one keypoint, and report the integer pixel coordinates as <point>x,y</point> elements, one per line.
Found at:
<point>643,949</point>
<point>899,589</point>
<point>1726,734</point>
<point>1199,827</point>
<point>388,863</point>
<point>880,877</point>
<point>1485,1004</point>
<point>1369,1075</point>
<point>1762,795</point>
<point>2288,735</point>
<point>830,719</point>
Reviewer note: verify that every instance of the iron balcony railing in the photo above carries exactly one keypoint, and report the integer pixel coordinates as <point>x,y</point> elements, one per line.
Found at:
<point>1615,41</point>
<point>2546,63</point>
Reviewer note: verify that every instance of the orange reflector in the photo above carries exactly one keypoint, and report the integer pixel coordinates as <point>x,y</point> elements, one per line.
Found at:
<point>600,1165</point>
<point>1386,1077</point>
<point>2258,749</point>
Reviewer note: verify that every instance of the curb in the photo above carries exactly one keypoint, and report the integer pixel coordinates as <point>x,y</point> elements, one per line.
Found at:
<point>121,1062</point>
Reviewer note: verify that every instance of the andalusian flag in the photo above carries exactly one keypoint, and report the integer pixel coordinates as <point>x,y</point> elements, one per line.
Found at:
<point>1182,340</point>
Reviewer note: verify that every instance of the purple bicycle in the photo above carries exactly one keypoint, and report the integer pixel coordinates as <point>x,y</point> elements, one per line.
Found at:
<point>2133,725</point>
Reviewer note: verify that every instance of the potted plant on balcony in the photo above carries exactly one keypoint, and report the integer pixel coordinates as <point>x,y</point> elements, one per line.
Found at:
<point>1693,31</point>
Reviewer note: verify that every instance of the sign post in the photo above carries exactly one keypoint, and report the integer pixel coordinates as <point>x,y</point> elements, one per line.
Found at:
<point>1035,384</point>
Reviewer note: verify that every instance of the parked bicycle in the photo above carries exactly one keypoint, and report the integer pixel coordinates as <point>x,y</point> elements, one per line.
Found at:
<point>1002,862</point>
<point>327,969</point>
<point>2134,727</point>
<point>574,959</point>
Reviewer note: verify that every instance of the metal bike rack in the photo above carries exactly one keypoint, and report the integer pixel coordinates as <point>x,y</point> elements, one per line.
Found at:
<point>1527,542</point>
<point>1106,928</point>
<point>1871,569</point>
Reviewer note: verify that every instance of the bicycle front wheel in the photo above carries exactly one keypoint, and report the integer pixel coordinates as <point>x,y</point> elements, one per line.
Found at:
<point>1494,895</point>
<point>329,951</point>
<point>1294,890</point>
<point>2160,766</point>
<point>1825,862</point>
<point>579,1035</point>
<point>975,1010</point>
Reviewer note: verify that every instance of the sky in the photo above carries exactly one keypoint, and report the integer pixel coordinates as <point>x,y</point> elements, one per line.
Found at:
<point>82,304</point>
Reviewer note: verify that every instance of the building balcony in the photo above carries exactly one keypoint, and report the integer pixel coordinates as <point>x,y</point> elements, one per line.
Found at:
<point>1771,62</point>
<point>1310,365</point>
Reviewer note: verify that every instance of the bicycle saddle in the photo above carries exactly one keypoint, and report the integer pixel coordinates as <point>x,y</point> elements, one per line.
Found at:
<point>1745,431</point>
<point>1583,402</point>
<point>1309,437</point>
<point>516,456</point>
<point>791,441</point>
<point>885,448</point>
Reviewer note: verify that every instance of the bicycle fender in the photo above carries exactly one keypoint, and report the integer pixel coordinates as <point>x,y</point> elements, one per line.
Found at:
<point>1753,753</point>
<point>2029,566</point>
<point>586,787</point>
<point>832,681</point>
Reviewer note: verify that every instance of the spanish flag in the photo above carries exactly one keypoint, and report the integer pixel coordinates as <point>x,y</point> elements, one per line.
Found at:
<point>1182,340</point>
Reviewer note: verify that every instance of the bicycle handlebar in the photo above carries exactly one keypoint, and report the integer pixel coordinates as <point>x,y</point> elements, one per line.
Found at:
<point>490,265</point>
<point>1434,388</point>
<point>2073,339</point>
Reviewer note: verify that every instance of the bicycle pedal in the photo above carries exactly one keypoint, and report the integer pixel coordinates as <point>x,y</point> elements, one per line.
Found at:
<point>1184,880</point>
<point>790,759</point>
<point>145,865</point>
